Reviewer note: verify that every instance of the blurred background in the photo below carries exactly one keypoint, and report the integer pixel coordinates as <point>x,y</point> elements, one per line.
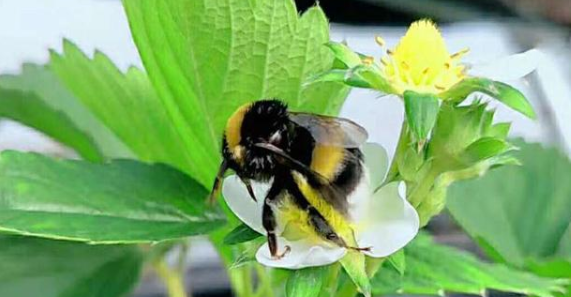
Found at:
<point>492,29</point>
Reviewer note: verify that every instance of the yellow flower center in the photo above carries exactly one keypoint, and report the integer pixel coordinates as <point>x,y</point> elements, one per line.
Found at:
<point>421,62</point>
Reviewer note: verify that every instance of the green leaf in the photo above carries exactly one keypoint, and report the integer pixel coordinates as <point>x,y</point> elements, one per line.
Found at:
<point>306,282</point>
<point>354,265</point>
<point>241,234</point>
<point>434,269</point>
<point>553,268</point>
<point>119,202</point>
<point>124,102</point>
<point>34,267</point>
<point>521,212</point>
<point>421,112</point>
<point>28,109</point>
<point>498,90</point>
<point>49,89</point>
<point>342,53</point>
<point>204,72</point>
<point>398,261</point>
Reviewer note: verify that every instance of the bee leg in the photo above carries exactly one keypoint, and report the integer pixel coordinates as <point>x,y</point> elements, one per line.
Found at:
<point>358,249</point>
<point>269,222</point>
<point>249,187</point>
<point>217,183</point>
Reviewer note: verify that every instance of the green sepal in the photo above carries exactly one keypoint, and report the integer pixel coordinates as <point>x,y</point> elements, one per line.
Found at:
<point>485,148</point>
<point>354,265</point>
<point>502,92</point>
<point>344,55</point>
<point>306,282</point>
<point>360,76</point>
<point>421,113</point>
<point>398,261</point>
<point>241,234</point>
<point>369,77</point>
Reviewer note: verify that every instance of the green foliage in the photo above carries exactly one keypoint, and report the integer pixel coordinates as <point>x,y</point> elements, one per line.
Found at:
<point>421,111</point>
<point>27,108</point>
<point>36,267</point>
<point>125,102</point>
<point>46,86</point>
<point>498,90</point>
<point>434,269</point>
<point>354,265</point>
<point>521,215</point>
<point>398,261</point>
<point>465,143</point>
<point>344,55</point>
<point>241,234</point>
<point>208,57</point>
<point>119,202</point>
<point>520,212</point>
<point>307,282</point>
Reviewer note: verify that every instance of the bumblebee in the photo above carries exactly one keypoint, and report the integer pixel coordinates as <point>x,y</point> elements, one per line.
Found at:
<point>313,160</point>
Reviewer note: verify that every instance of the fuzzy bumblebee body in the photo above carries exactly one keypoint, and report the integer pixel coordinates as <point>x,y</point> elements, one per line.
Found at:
<point>313,163</point>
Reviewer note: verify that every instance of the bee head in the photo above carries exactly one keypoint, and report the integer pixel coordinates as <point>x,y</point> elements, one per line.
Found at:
<point>264,121</point>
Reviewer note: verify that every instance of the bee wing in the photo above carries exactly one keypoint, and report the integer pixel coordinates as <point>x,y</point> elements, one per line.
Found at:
<point>331,130</point>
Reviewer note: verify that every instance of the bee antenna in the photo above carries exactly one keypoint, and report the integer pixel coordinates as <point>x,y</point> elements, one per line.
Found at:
<point>218,182</point>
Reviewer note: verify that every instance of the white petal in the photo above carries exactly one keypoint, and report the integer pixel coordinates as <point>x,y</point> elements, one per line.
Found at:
<point>391,222</point>
<point>509,68</point>
<point>244,207</point>
<point>302,254</point>
<point>377,162</point>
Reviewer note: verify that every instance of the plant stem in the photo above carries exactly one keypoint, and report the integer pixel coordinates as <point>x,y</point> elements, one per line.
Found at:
<point>265,285</point>
<point>419,193</point>
<point>172,279</point>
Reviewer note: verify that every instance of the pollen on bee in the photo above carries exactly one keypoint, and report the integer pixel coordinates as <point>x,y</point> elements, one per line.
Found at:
<point>404,65</point>
<point>425,71</point>
<point>380,41</point>
<point>447,65</point>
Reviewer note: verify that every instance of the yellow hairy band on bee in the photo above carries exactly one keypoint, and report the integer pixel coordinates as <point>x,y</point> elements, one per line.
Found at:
<point>335,219</point>
<point>326,160</point>
<point>233,128</point>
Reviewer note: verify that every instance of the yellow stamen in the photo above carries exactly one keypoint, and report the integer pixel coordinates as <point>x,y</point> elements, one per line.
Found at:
<point>380,41</point>
<point>368,60</point>
<point>460,54</point>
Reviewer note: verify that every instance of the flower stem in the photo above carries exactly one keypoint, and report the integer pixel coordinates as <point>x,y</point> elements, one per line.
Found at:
<point>265,285</point>
<point>172,279</point>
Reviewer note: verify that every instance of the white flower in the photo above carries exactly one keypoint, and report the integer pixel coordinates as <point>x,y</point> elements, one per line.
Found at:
<point>388,222</point>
